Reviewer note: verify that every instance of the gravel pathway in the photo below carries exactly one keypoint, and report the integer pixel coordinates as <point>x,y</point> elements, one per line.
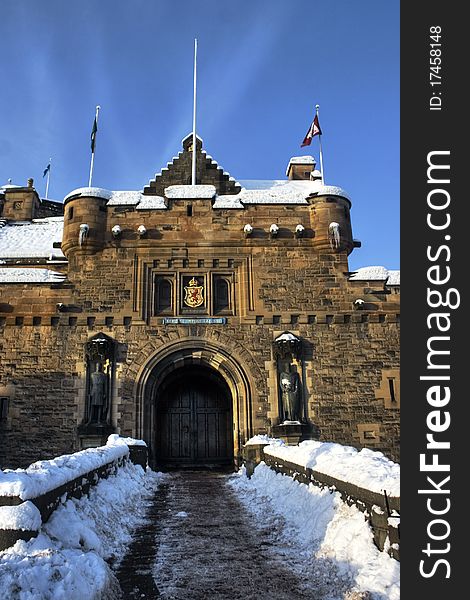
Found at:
<point>199,544</point>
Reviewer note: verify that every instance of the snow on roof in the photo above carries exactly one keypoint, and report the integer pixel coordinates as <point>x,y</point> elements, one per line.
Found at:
<point>278,192</point>
<point>89,192</point>
<point>190,191</point>
<point>369,274</point>
<point>332,190</point>
<point>260,184</point>
<point>29,275</point>
<point>376,273</point>
<point>32,239</point>
<point>124,198</point>
<point>300,160</point>
<point>7,186</point>
<point>227,201</point>
<point>393,278</point>
<point>253,191</point>
<point>366,468</point>
<point>152,203</point>
<point>282,191</point>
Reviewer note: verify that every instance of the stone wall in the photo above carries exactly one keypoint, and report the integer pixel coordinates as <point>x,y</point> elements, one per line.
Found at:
<point>350,352</point>
<point>347,353</point>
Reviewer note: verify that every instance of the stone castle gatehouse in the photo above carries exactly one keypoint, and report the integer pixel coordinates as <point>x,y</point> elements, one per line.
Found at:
<point>192,316</point>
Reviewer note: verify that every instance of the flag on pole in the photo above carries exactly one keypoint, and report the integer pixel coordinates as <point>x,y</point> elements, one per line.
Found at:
<point>46,170</point>
<point>313,130</point>
<point>93,135</point>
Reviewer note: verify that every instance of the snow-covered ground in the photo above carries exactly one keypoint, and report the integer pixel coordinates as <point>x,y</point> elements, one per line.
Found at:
<point>67,561</point>
<point>327,543</point>
<point>320,536</point>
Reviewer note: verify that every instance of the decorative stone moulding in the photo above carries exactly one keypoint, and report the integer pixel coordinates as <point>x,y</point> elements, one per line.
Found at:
<point>274,230</point>
<point>359,303</point>
<point>299,230</point>
<point>334,235</point>
<point>248,229</point>
<point>141,230</point>
<point>100,347</point>
<point>287,345</point>
<point>116,231</point>
<point>83,233</point>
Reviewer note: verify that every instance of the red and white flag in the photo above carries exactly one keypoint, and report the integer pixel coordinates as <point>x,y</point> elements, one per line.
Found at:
<point>313,130</point>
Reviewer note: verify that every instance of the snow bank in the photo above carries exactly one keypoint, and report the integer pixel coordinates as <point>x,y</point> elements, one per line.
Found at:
<point>46,475</point>
<point>366,468</point>
<point>116,440</point>
<point>67,561</point>
<point>322,538</point>
<point>24,516</point>
<point>260,439</point>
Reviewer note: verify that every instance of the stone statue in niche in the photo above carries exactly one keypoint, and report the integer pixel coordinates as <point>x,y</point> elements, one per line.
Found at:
<point>100,356</point>
<point>98,397</point>
<point>290,387</point>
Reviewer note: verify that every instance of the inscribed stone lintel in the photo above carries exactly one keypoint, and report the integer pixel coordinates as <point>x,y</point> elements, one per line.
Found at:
<point>194,321</point>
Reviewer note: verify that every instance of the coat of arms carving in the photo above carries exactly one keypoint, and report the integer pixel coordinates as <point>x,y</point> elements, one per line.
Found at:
<point>194,294</point>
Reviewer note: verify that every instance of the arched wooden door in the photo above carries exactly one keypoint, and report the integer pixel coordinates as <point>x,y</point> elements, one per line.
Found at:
<point>194,419</point>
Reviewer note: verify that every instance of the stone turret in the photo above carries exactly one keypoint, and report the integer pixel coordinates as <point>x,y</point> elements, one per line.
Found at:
<point>85,221</point>
<point>20,203</point>
<point>331,221</point>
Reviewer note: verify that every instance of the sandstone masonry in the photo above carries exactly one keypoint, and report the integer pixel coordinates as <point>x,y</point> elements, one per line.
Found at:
<point>116,277</point>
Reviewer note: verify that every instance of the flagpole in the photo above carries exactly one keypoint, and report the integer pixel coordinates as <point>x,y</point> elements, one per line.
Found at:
<point>93,151</point>
<point>317,107</point>
<point>48,177</point>
<point>193,177</point>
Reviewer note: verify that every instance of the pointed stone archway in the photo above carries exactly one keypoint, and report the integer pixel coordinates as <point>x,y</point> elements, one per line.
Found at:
<point>194,404</point>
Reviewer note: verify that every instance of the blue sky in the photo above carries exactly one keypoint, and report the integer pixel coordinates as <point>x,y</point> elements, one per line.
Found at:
<point>262,67</point>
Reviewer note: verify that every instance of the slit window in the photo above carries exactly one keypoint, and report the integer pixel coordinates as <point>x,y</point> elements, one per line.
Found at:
<point>3,408</point>
<point>391,387</point>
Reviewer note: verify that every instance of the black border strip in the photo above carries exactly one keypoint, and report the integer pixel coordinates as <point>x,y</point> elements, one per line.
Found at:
<point>433,121</point>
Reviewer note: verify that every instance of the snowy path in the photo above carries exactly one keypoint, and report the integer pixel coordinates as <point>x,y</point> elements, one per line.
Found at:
<point>204,545</point>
